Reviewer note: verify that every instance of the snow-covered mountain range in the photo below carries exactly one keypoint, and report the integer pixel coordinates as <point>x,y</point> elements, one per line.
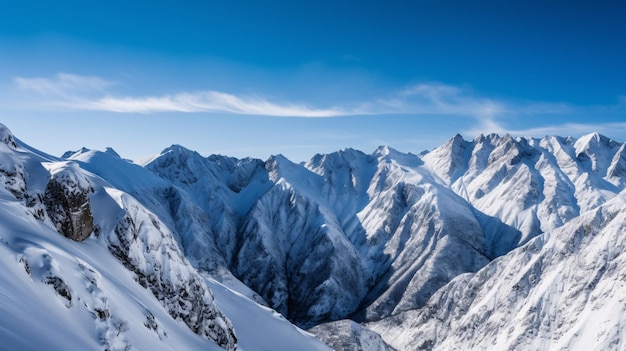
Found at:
<point>493,243</point>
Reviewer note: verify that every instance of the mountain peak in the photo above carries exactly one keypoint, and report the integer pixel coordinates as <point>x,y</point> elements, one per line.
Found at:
<point>489,138</point>
<point>594,149</point>
<point>176,149</point>
<point>6,136</point>
<point>457,138</point>
<point>347,154</point>
<point>386,150</point>
<point>71,153</point>
<point>279,163</point>
<point>450,160</point>
<point>278,158</point>
<point>594,138</point>
<point>110,151</point>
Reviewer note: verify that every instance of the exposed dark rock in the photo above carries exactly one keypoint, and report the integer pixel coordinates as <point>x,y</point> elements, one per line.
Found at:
<point>186,299</point>
<point>60,287</point>
<point>24,261</point>
<point>151,323</point>
<point>67,205</point>
<point>13,180</point>
<point>101,313</point>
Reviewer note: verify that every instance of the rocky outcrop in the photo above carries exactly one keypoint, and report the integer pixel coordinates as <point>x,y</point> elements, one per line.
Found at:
<point>12,178</point>
<point>148,250</point>
<point>67,203</point>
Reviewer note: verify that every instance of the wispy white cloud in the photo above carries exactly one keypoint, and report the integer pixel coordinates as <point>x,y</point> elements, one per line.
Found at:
<point>77,92</point>
<point>64,84</point>
<point>203,101</point>
<point>441,99</point>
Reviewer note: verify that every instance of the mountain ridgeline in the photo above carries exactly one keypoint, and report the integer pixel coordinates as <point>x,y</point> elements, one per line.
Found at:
<point>442,250</point>
<point>368,236</point>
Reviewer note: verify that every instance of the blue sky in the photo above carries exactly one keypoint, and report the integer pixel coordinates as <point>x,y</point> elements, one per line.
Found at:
<point>253,78</point>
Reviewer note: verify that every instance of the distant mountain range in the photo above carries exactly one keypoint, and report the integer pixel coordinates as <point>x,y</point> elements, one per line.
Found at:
<point>493,243</point>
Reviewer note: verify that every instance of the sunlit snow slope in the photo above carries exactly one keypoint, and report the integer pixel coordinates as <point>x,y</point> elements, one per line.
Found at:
<point>498,241</point>
<point>87,266</point>
<point>563,290</point>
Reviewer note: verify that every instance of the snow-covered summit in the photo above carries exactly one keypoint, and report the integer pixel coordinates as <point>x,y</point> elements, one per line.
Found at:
<point>70,153</point>
<point>6,136</point>
<point>531,184</point>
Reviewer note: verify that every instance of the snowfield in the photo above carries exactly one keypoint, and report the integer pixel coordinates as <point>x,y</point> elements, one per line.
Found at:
<point>127,286</point>
<point>563,290</point>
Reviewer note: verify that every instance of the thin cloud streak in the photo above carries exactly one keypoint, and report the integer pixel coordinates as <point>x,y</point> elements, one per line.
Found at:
<point>441,99</point>
<point>63,84</point>
<point>76,92</point>
<point>205,101</point>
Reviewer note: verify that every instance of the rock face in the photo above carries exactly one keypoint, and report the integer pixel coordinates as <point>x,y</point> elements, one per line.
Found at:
<point>145,246</point>
<point>344,233</point>
<point>67,202</point>
<point>309,271</point>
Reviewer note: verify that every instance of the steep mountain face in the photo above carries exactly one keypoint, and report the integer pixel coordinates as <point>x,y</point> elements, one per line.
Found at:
<point>400,226</point>
<point>533,185</point>
<point>207,200</point>
<point>132,234</point>
<point>563,290</point>
<point>217,191</point>
<point>408,230</point>
<point>275,238</point>
<point>145,247</point>
<point>295,254</point>
<point>345,233</point>
<point>121,282</point>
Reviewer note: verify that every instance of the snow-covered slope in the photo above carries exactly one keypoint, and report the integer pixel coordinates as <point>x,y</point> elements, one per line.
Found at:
<point>408,230</point>
<point>349,335</point>
<point>563,290</point>
<point>86,265</point>
<point>346,233</point>
<point>191,252</point>
<point>294,252</point>
<point>533,185</point>
<point>199,214</point>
